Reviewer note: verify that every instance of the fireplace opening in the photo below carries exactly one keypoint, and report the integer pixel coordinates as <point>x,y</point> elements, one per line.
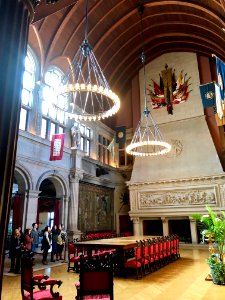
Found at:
<point>152,227</point>
<point>181,228</point>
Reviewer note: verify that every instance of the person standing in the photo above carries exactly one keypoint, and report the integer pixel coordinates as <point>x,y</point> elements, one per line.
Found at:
<point>55,234</point>
<point>15,252</point>
<point>60,244</point>
<point>35,237</point>
<point>46,244</point>
<point>27,240</point>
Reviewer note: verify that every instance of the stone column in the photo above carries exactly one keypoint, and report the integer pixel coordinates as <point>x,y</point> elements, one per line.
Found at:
<point>193,227</point>
<point>32,205</point>
<point>165,226</point>
<point>75,176</point>
<point>136,225</point>
<point>15,18</point>
<point>65,216</point>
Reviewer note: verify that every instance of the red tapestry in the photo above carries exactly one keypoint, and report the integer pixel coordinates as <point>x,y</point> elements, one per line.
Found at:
<point>57,145</point>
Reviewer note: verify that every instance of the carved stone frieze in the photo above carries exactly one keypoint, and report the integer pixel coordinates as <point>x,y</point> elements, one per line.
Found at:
<point>173,198</point>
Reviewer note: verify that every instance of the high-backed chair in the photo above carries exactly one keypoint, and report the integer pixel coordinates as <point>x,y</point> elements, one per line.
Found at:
<point>73,258</point>
<point>29,282</point>
<point>137,261</point>
<point>96,278</point>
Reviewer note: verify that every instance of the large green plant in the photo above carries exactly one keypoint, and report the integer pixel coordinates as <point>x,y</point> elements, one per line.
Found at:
<point>214,226</point>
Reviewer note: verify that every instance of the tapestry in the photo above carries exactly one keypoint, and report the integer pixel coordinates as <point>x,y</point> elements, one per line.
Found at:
<point>57,145</point>
<point>170,90</point>
<point>96,208</point>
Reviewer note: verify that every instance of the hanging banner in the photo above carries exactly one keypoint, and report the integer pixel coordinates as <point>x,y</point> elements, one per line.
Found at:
<point>121,135</point>
<point>208,96</point>
<point>57,145</point>
<point>220,68</point>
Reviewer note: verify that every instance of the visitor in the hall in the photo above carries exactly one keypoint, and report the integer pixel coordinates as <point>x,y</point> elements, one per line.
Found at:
<point>27,240</point>
<point>15,252</point>
<point>35,237</point>
<point>46,244</point>
<point>55,234</point>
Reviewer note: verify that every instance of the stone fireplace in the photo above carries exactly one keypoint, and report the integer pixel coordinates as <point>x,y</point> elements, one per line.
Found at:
<point>173,187</point>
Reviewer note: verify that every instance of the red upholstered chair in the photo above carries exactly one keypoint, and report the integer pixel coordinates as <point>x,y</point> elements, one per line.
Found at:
<point>29,282</point>
<point>73,258</point>
<point>137,261</point>
<point>146,259</point>
<point>96,278</point>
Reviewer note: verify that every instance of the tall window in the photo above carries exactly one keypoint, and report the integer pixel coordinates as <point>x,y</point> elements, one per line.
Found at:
<point>28,89</point>
<point>85,139</point>
<point>53,105</point>
<point>103,152</point>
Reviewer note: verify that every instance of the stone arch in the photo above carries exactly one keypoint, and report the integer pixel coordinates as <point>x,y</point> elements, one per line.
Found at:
<point>59,181</point>
<point>23,177</point>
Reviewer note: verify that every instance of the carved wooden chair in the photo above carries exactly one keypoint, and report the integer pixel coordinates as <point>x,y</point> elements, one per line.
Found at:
<point>96,278</point>
<point>73,258</point>
<point>137,261</point>
<point>29,282</point>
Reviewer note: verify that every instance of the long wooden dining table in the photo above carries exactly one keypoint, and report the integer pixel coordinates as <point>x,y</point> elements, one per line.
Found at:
<point>121,244</point>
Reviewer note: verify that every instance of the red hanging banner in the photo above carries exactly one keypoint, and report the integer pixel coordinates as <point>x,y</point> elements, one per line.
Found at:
<point>57,145</point>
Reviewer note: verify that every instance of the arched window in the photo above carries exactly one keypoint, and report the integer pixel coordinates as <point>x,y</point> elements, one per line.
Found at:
<point>29,79</point>
<point>53,116</point>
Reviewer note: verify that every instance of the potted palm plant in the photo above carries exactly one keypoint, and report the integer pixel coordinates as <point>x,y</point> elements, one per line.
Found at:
<point>213,225</point>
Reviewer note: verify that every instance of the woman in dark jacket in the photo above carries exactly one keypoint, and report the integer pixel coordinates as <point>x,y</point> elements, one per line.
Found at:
<point>15,252</point>
<point>46,244</point>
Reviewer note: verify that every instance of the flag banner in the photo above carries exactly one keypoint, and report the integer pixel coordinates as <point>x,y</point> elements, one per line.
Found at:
<point>219,104</point>
<point>208,96</point>
<point>121,135</point>
<point>220,68</point>
<point>57,145</point>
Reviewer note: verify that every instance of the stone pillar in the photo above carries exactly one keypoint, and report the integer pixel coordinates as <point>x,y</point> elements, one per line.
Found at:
<point>14,23</point>
<point>32,205</point>
<point>165,226</point>
<point>193,227</point>
<point>75,176</point>
<point>65,217</point>
<point>136,225</point>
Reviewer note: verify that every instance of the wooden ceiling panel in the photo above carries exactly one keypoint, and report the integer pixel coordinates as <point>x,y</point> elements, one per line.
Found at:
<point>114,32</point>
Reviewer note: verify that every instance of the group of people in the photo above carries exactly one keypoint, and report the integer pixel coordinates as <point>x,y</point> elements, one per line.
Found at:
<point>54,238</point>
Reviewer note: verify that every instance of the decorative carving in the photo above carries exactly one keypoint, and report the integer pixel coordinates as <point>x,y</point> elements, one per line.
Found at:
<point>135,219</point>
<point>75,175</point>
<point>183,197</point>
<point>183,181</point>
<point>176,150</point>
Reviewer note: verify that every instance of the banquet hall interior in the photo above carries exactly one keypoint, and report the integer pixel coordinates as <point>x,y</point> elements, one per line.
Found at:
<point>112,124</point>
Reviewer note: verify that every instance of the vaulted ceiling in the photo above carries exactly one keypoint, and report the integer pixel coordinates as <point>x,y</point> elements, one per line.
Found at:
<point>114,32</point>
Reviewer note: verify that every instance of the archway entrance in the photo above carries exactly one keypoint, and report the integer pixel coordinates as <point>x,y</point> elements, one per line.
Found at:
<point>48,205</point>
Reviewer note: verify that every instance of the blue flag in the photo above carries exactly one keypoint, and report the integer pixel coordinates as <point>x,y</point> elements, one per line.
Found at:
<point>220,68</point>
<point>208,96</point>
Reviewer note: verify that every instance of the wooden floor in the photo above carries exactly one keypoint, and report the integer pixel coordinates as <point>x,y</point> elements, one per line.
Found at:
<point>180,280</point>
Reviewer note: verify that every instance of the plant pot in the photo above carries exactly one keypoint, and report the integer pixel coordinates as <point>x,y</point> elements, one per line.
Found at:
<point>218,273</point>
